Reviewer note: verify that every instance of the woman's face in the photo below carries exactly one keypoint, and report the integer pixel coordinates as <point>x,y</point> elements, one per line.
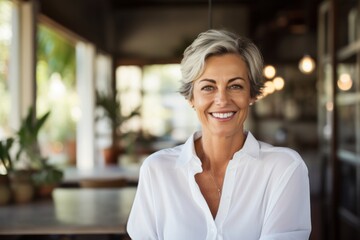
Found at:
<point>221,95</point>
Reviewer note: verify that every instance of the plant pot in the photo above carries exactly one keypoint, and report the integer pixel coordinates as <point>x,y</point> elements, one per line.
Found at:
<point>5,192</point>
<point>22,187</point>
<point>71,151</point>
<point>45,190</point>
<point>111,155</point>
<point>46,180</point>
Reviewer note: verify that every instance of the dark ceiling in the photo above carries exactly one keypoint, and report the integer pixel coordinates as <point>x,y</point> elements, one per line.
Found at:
<point>158,30</point>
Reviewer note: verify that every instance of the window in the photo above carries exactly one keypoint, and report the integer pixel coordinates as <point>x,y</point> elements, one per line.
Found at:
<point>5,40</point>
<point>56,91</point>
<point>165,114</point>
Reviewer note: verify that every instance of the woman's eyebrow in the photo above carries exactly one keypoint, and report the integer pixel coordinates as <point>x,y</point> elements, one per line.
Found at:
<point>207,80</point>
<point>236,78</point>
<point>229,81</point>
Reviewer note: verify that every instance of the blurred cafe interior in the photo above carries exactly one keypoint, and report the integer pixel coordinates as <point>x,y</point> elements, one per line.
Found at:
<point>89,88</point>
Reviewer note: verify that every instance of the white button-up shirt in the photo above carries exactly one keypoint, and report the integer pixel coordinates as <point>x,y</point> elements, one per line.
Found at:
<point>265,196</point>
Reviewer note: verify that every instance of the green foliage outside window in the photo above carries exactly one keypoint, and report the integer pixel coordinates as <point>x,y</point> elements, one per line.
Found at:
<point>56,89</point>
<point>5,40</point>
<point>58,53</point>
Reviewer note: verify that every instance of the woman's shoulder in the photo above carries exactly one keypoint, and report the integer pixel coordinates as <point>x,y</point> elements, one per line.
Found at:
<point>267,148</point>
<point>280,156</point>
<point>163,157</point>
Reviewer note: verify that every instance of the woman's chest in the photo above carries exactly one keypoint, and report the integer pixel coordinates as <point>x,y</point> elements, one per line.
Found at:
<point>184,212</point>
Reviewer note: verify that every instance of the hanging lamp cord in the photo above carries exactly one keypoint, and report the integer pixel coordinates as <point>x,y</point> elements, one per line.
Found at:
<point>210,13</point>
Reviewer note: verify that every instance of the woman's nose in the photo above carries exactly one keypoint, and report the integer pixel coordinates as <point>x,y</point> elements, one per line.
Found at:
<point>221,98</point>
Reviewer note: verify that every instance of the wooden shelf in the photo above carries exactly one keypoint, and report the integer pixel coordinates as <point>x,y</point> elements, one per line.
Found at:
<point>349,51</point>
<point>341,151</point>
<point>345,98</point>
<point>349,157</point>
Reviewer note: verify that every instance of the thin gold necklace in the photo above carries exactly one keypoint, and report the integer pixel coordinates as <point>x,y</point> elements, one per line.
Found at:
<point>216,184</point>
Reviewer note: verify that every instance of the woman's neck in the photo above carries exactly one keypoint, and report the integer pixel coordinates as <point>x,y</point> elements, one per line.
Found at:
<point>215,152</point>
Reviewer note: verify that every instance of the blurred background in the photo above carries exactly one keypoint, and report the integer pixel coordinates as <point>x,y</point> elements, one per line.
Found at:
<point>108,71</point>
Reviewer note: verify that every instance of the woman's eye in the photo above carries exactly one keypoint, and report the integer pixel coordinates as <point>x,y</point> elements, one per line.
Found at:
<point>236,86</point>
<point>207,88</point>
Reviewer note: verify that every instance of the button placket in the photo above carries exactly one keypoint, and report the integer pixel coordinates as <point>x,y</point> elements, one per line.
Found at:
<point>200,200</point>
<point>212,232</point>
<point>229,182</point>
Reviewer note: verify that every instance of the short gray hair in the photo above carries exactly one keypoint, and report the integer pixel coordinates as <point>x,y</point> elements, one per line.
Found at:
<point>219,42</point>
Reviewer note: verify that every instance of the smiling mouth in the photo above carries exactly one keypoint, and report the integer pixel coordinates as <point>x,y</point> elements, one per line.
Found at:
<point>223,115</point>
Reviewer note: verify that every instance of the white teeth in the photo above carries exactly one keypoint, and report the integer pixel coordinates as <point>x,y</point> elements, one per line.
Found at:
<point>223,115</point>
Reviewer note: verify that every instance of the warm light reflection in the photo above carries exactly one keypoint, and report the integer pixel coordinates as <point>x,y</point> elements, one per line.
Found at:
<point>269,87</point>
<point>269,71</point>
<point>279,83</point>
<point>345,82</point>
<point>307,64</point>
<point>57,87</point>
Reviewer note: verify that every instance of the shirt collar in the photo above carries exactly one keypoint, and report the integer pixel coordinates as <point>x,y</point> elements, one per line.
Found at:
<point>188,154</point>
<point>250,148</point>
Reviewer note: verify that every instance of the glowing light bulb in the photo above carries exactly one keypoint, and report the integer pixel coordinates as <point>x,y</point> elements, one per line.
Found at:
<point>345,82</point>
<point>269,87</point>
<point>307,64</point>
<point>269,71</point>
<point>279,83</point>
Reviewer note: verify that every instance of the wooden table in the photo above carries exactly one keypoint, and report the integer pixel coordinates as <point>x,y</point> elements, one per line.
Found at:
<point>71,211</point>
<point>73,176</point>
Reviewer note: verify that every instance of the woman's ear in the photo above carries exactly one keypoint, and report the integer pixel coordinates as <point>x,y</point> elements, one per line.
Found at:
<point>191,103</point>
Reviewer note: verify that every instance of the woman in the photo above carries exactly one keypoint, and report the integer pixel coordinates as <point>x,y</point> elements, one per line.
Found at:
<point>222,183</point>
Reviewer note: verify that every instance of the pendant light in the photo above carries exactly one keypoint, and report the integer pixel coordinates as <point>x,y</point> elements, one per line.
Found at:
<point>307,64</point>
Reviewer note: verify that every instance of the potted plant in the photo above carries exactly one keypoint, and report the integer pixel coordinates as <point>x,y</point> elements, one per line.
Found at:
<point>5,158</point>
<point>27,137</point>
<point>111,109</point>
<point>15,183</point>
<point>46,179</point>
<point>44,176</point>
<point>5,155</point>
<point>28,169</point>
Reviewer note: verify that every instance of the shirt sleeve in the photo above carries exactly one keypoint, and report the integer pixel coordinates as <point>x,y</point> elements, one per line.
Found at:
<point>141,223</point>
<point>288,214</point>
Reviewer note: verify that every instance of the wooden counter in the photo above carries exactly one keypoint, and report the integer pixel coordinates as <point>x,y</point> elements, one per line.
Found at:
<point>71,211</point>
